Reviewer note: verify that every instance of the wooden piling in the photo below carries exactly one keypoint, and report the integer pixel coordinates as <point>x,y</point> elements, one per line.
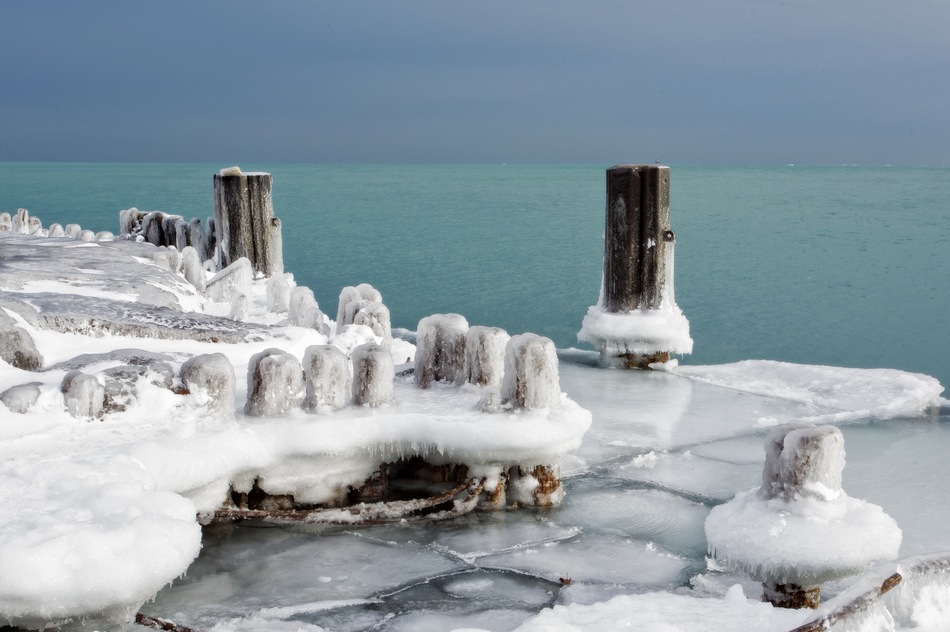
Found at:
<point>637,237</point>
<point>245,222</point>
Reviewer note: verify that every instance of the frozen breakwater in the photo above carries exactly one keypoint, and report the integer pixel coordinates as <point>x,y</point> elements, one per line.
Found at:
<point>127,418</point>
<point>104,511</point>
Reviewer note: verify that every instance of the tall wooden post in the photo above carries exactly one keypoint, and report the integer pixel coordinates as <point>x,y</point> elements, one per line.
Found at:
<point>636,322</point>
<point>244,221</point>
<point>637,237</point>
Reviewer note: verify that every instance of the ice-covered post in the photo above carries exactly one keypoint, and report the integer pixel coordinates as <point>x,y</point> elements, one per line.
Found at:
<point>800,529</point>
<point>245,222</point>
<point>637,320</point>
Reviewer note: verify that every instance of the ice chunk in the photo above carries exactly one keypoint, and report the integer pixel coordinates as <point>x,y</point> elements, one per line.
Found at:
<point>278,293</point>
<point>440,349</point>
<point>20,398</point>
<point>84,395</point>
<point>373,376</point>
<point>485,355</point>
<point>274,380</point>
<point>235,279</point>
<point>210,380</point>
<point>531,373</point>
<point>327,378</point>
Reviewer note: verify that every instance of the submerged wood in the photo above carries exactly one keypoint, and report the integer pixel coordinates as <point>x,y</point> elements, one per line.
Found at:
<point>156,623</point>
<point>366,513</point>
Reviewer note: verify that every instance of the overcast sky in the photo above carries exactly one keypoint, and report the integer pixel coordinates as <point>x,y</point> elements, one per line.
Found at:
<point>521,81</point>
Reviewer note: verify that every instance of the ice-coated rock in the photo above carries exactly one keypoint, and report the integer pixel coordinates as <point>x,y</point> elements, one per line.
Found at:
<point>6,222</point>
<point>354,294</point>
<point>375,315</point>
<point>303,311</point>
<point>16,346</point>
<point>191,268</point>
<point>326,377</point>
<point>440,349</point>
<point>274,380</point>
<point>531,373</point>
<point>73,230</point>
<point>210,381</point>
<point>374,375</point>
<point>87,236</point>
<point>278,293</point>
<point>20,398</point>
<point>485,355</point>
<point>83,394</point>
<point>235,279</point>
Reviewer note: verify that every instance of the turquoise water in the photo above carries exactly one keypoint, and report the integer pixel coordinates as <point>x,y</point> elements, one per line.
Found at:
<point>845,266</point>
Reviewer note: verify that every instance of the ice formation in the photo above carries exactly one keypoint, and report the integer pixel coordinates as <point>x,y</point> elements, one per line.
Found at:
<point>440,349</point>
<point>83,394</point>
<point>799,528</point>
<point>485,355</point>
<point>209,379</point>
<point>274,383</point>
<point>352,299</point>
<point>326,377</point>
<point>373,376</point>
<point>531,373</point>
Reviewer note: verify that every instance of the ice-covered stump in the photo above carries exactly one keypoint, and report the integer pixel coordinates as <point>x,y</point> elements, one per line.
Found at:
<point>799,529</point>
<point>17,347</point>
<point>83,394</point>
<point>56,230</point>
<point>274,381</point>
<point>245,222</point>
<point>485,355</point>
<point>210,380</point>
<point>352,298</point>
<point>636,321</point>
<point>6,222</point>
<point>326,378</point>
<point>20,398</point>
<point>440,349</point>
<point>374,375</point>
<point>531,373</point>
